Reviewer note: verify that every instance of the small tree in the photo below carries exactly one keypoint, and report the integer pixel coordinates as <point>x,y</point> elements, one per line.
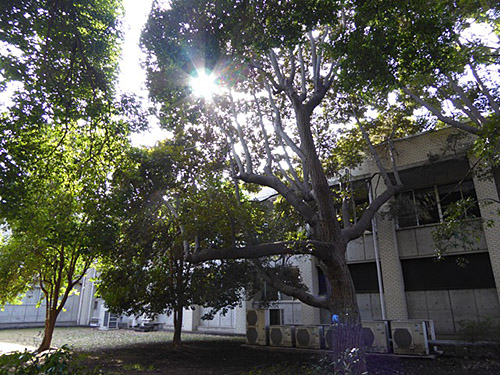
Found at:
<point>59,140</point>
<point>160,216</point>
<point>55,231</point>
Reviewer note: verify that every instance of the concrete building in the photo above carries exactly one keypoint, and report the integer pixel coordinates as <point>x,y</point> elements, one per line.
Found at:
<point>79,308</point>
<point>436,171</point>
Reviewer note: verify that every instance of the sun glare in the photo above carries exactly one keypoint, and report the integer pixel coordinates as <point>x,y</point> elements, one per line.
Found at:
<point>204,85</point>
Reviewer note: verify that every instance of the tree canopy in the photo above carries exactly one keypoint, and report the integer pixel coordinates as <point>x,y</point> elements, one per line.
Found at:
<point>62,134</point>
<point>296,75</point>
<point>163,206</point>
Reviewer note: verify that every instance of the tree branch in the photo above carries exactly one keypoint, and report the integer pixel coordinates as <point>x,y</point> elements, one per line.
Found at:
<point>269,155</point>
<point>363,223</point>
<point>277,70</point>
<point>302,208</point>
<point>439,115</point>
<point>475,113</point>
<point>278,127</point>
<point>257,251</point>
<point>248,158</point>
<point>303,93</point>
<point>373,151</point>
<point>300,294</point>
<point>314,60</point>
<point>292,67</point>
<point>494,105</point>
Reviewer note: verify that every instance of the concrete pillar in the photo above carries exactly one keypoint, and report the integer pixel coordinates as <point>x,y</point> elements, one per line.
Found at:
<point>489,206</point>
<point>191,319</point>
<point>86,298</point>
<point>309,274</point>
<point>392,272</point>
<point>240,312</point>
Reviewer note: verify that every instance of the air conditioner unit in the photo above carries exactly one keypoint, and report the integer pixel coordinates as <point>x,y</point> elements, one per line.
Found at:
<point>282,336</point>
<point>376,336</point>
<point>410,337</point>
<point>311,337</point>
<point>329,332</point>
<point>256,327</point>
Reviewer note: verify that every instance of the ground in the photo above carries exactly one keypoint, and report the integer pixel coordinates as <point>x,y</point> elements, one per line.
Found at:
<point>134,353</point>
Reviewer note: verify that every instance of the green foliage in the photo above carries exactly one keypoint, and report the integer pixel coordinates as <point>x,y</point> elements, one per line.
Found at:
<point>61,135</point>
<point>346,364</point>
<point>166,204</point>
<point>487,146</point>
<point>59,362</point>
<point>455,231</point>
<point>485,330</point>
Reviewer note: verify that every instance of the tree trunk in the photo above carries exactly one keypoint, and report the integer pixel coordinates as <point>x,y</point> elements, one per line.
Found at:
<point>50,324</point>
<point>346,334</point>
<point>178,316</point>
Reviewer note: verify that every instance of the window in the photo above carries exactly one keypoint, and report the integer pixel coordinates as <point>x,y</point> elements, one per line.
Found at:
<point>322,289</point>
<point>449,194</point>
<point>364,277</point>
<point>275,317</point>
<point>428,205</point>
<point>431,274</point>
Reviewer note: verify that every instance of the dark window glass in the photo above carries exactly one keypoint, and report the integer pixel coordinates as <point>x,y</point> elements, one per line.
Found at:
<point>468,191</point>
<point>364,276</point>
<point>427,209</point>
<point>421,206</point>
<point>407,215</point>
<point>452,193</point>
<point>321,282</point>
<point>275,317</point>
<point>448,194</point>
<point>431,274</point>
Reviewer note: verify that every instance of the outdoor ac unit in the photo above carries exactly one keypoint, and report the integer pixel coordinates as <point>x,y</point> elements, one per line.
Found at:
<point>309,337</point>
<point>282,336</point>
<point>376,336</point>
<point>256,327</point>
<point>410,337</point>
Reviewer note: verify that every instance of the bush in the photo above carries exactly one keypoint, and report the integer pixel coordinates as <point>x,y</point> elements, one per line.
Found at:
<point>483,330</point>
<point>487,330</point>
<point>347,364</point>
<point>58,362</point>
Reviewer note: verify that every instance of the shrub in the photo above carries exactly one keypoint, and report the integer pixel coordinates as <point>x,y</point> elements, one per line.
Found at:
<point>58,362</point>
<point>484,330</point>
<point>346,364</point>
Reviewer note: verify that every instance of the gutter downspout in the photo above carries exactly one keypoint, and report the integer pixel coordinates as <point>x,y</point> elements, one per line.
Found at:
<point>80,303</point>
<point>91,304</point>
<point>377,256</point>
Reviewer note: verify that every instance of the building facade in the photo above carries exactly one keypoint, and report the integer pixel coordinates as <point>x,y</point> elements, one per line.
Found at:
<point>400,251</point>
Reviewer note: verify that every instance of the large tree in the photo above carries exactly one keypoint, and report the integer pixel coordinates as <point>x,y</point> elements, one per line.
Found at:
<point>164,203</point>
<point>60,136</point>
<point>285,99</point>
<point>442,56</point>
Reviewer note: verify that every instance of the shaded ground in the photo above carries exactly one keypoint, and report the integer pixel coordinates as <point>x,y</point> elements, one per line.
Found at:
<point>229,357</point>
<point>133,353</point>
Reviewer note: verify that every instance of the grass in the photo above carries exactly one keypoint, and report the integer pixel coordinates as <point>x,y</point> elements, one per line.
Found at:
<point>89,339</point>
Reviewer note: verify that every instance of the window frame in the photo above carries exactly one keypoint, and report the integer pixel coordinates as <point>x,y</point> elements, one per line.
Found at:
<point>438,203</point>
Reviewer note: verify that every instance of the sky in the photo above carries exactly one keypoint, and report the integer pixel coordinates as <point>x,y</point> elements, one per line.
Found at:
<point>132,77</point>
